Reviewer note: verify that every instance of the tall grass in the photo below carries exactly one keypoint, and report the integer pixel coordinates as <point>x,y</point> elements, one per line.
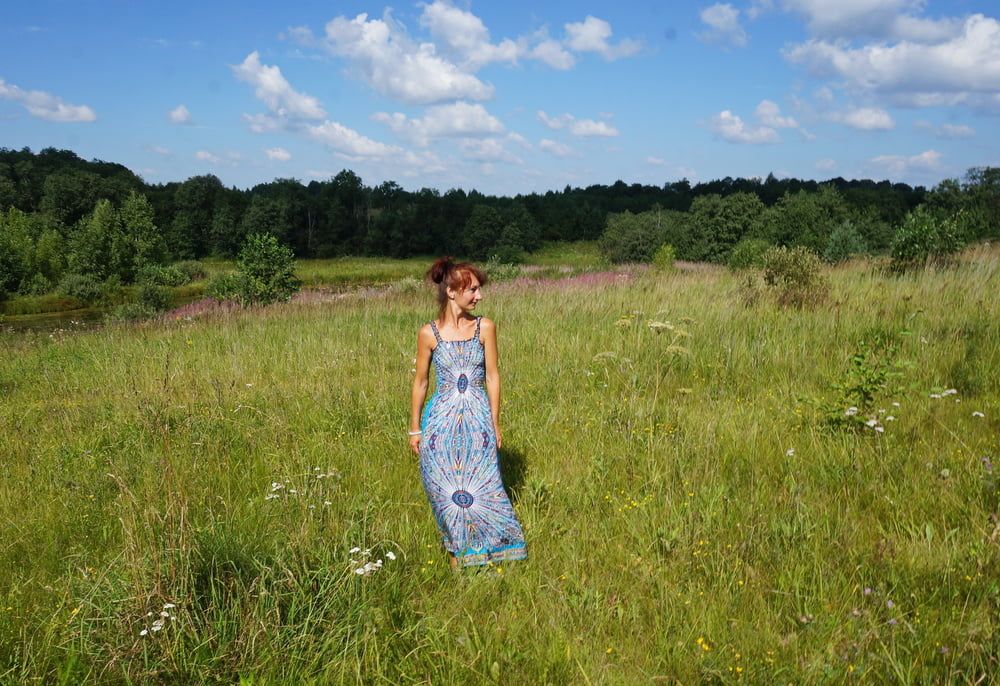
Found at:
<point>690,517</point>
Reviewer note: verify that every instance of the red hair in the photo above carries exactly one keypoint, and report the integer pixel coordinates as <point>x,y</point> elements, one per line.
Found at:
<point>445,274</point>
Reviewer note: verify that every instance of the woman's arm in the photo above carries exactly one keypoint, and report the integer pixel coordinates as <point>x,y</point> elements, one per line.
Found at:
<point>425,343</point>
<point>488,335</point>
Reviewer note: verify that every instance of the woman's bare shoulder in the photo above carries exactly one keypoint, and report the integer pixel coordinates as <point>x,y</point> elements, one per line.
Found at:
<point>487,324</point>
<point>426,334</point>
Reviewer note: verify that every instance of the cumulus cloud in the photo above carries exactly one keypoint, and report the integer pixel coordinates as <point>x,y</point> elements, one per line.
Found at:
<point>348,142</point>
<point>732,128</point>
<point>865,119</point>
<point>878,19</point>
<point>180,115</point>
<point>901,165</point>
<point>963,68</point>
<point>274,90</point>
<point>487,150</point>
<point>656,161</point>
<point>593,34</point>
<point>769,114</point>
<point>439,121</point>
<point>552,53</point>
<point>578,127</point>
<point>723,22</point>
<point>394,65</point>
<point>463,35</point>
<point>555,148</point>
<point>205,156</point>
<point>826,164</point>
<point>45,105</point>
<point>278,154</point>
<point>947,130</point>
<point>160,150</point>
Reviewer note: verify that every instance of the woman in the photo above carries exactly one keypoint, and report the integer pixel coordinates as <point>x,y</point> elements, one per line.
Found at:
<point>458,435</point>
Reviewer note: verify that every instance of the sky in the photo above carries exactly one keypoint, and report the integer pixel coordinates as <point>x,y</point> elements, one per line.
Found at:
<point>508,97</point>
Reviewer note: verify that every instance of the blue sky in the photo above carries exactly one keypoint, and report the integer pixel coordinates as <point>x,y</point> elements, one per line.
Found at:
<point>508,97</point>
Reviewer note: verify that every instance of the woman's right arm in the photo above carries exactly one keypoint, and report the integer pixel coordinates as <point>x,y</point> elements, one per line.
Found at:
<point>425,343</point>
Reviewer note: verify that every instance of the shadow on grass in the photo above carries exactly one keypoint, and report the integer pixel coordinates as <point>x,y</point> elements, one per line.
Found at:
<point>512,469</point>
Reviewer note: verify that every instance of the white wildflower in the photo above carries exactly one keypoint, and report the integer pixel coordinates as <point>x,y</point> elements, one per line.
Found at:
<point>977,413</point>
<point>790,452</point>
<point>880,429</point>
<point>935,395</point>
<point>850,411</point>
<point>890,418</point>
<point>327,502</point>
<point>895,404</point>
<point>271,496</point>
<point>951,391</point>
<point>355,549</point>
<point>277,485</point>
<point>144,632</point>
<point>169,606</point>
<point>391,555</point>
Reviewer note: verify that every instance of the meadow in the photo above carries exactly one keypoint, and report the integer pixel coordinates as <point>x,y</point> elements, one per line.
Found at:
<point>189,500</point>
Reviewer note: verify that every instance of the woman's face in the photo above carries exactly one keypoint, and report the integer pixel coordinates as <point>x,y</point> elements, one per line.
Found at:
<point>468,297</point>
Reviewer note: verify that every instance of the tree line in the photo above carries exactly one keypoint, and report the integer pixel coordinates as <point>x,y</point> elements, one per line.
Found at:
<point>62,214</point>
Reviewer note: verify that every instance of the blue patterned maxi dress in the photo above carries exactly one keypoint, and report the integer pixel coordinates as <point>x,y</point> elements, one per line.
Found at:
<point>458,459</point>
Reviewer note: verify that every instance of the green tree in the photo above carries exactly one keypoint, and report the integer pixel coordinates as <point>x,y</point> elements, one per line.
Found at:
<point>845,242</point>
<point>631,237</point>
<point>91,244</point>
<point>16,250</point>
<point>482,231</point>
<point>194,207</point>
<point>137,242</point>
<point>266,270</point>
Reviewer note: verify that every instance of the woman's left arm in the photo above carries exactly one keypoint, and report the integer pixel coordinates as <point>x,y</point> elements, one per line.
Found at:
<point>488,335</point>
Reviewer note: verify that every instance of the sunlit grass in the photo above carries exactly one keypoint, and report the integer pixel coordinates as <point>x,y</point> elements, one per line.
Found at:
<point>688,518</point>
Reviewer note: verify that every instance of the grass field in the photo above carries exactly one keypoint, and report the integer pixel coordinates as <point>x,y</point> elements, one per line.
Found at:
<point>700,503</point>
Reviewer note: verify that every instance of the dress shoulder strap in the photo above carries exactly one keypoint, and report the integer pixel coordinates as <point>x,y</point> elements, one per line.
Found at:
<point>478,319</point>
<point>434,328</point>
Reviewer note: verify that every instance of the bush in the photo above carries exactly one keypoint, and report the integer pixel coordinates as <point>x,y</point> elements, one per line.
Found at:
<point>925,240</point>
<point>748,254</point>
<point>498,271</point>
<point>153,297</point>
<point>664,257</point>
<point>193,269</point>
<point>266,270</point>
<point>158,275</point>
<point>224,286</point>
<point>630,237</point>
<point>794,276</point>
<point>37,285</point>
<point>83,287</point>
<point>845,242</point>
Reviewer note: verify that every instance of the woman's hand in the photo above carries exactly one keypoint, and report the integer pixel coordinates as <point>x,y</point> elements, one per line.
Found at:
<point>415,444</point>
<point>496,430</point>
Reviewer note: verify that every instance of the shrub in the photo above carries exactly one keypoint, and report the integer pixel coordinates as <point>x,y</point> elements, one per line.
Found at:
<point>83,287</point>
<point>630,237</point>
<point>158,275</point>
<point>748,254</point>
<point>153,298</point>
<point>193,269</point>
<point>664,257</point>
<point>924,240</point>
<point>224,286</point>
<point>845,241</point>
<point>794,276</point>
<point>37,285</point>
<point>501,271</point>
<point>266,270</point>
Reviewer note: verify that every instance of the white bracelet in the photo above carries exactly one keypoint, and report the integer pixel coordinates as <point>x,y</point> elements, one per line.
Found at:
<point>414,433</point>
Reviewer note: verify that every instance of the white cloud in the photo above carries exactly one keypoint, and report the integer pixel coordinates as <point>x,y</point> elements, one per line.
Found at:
<point>552,53</point>
<point>487,150</point>
<point>457,119</point>
<point>179,115</point>
<point>205,156</point>
<point>349,142</point>
<point>730,127</point>
<point>947,130</point>
<point>865,119</point>
<point>965,68</point>
<point>592,34</point>
<point>279,154</point>
<point>160,150</point>
<point>45,105</point>
<point>723,21</point>
<point>392,64</point>
<point>263,123</point>
<point>759,7</point>
<point>274,90</point>
<point>879,19</point>
<point>656,161</point>
<point>826,164</point>
<point>578,127</point>
<point>520,140</point>
<point>464,35</point>
<point>901,165</point>
<point>769,114</point>
<point>555,148</point>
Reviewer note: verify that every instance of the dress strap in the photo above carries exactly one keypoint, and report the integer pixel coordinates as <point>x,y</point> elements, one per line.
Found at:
<point>435,330</point>
<point>478,319</point>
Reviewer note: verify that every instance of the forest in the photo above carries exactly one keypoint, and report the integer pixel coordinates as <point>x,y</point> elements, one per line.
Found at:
<point>61,216</point>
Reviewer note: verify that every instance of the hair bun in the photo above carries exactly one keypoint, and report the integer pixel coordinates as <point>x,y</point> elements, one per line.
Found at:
<point>439,270</point>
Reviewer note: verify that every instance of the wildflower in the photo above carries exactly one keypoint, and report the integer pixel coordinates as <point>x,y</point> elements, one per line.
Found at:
<point>391,555</point>
<point>144,632</point>
<point>169,606</point>
<point>892,622</point>
<point>871,422</point>
<point>880,429</point>
<point>935,395</point>
<point>890,418</point>
<point>977,413</point>
<point>950,391</point>
<point>867,591</point>
<point>895,404</point>
<point>355,549</point>
<point>277,485</point>
<point>850,411</point>
<point>790,452</point>
<point>889,604</point>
